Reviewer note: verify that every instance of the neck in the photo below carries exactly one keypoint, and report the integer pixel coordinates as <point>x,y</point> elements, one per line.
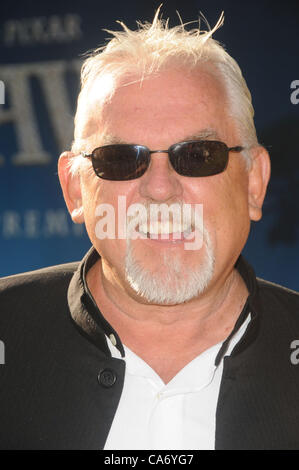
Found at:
<point>162,330</point>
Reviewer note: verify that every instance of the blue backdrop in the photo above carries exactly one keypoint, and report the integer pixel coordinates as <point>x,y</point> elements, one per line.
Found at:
<point>41,47</point>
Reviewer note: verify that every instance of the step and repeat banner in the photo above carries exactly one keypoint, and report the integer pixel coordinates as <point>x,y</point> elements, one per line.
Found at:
<point>41,52</point>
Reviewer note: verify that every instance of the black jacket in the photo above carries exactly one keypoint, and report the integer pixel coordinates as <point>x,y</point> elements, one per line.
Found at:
<point>60,387</point>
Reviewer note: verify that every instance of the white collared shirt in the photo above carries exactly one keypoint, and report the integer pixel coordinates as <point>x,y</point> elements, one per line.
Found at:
<point>181,414</point>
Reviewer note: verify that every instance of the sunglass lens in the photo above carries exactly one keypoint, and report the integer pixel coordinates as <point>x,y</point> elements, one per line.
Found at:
<point>203,158</point>
<point>120,162</point>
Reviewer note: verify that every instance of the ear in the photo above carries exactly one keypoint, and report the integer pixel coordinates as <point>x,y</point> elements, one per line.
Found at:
<point>259,175</point>
<point>71,188</point>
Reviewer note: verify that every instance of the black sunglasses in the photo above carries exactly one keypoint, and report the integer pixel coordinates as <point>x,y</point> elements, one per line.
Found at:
<point>195,158</point>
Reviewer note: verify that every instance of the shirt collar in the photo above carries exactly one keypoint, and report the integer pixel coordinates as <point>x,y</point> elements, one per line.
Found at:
<point>92,324</point>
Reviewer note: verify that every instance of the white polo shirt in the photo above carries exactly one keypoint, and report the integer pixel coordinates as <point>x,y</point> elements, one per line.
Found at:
<point>152,415</point>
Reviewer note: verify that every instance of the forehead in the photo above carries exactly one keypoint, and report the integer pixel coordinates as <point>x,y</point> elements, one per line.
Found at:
<point>172,105</point>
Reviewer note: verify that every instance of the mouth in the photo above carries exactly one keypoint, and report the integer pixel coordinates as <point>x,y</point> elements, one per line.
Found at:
<point>166,232</point>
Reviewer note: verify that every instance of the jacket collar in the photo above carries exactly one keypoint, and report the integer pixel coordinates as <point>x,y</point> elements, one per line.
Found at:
<point>251,307</point>
<point>92,324</point>
<point>85,312</point>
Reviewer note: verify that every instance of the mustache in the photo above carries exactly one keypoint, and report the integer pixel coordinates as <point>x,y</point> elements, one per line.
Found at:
<point>152,214</point>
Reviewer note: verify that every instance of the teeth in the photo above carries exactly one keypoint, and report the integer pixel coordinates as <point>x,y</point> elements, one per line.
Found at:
<point>160,228</point>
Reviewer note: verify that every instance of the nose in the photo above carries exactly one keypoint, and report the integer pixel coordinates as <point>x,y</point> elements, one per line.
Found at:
<point>160,182</point>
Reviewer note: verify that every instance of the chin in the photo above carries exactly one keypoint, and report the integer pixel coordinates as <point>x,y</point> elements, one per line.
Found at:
<point>172,281</point>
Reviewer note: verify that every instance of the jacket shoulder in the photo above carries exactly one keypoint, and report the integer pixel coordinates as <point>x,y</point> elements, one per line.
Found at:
<point>276,289</point>
<point>34,300</point>
<point>38,277</point>
<point>279,299</point>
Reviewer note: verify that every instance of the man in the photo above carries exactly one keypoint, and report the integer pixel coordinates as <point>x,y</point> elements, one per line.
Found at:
<point>164,339</point>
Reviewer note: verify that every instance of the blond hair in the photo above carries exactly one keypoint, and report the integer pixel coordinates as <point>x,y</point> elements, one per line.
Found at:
<point>141,53</point>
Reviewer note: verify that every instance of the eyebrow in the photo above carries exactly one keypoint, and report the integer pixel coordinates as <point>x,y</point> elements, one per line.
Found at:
<point>110,139</point>
<point>203,134</point>
<point>207,133</point>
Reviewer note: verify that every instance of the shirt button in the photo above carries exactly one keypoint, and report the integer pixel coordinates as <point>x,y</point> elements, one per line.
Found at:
<point>107,378</point>
<point>112,339</point>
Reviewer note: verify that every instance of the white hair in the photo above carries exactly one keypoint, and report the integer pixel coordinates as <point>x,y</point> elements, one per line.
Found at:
<point>137,54</point>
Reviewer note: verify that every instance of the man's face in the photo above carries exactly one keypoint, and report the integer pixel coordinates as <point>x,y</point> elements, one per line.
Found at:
<point>171,107</point>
